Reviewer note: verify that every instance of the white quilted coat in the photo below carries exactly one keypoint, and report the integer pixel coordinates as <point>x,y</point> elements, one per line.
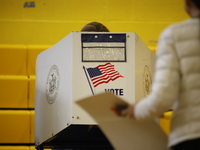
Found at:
<point>176,81</point>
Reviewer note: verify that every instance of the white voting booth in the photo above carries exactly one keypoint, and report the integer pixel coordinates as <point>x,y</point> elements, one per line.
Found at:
<point>84,64</point>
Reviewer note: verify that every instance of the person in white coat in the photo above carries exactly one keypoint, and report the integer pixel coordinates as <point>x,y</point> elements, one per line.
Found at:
<point>176,82</point>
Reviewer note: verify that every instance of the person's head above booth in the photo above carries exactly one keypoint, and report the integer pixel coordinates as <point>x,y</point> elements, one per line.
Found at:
<point>94,27</point>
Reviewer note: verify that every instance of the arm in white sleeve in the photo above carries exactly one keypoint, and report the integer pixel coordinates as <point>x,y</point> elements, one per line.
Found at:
<point>165,87</point>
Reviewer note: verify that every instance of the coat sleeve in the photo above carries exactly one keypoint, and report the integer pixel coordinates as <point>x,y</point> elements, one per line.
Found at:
<point>165,87</point>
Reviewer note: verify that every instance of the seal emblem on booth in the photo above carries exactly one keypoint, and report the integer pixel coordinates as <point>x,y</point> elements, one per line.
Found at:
<point>52,84</point>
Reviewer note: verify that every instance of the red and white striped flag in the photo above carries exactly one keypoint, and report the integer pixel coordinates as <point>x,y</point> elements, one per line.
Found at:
<point>103,74</point>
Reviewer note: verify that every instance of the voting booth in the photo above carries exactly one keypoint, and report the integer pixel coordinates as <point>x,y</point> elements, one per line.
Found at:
<point>84,64</point>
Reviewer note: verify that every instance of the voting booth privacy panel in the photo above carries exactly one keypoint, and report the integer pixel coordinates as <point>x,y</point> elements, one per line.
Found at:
<point>84,64</point>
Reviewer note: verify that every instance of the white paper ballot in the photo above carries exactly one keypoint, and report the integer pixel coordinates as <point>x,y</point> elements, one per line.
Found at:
<point>123,133</point>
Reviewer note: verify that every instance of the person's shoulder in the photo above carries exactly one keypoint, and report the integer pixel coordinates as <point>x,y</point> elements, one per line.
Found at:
<point>185,24</point>
<point>167,32</point>
<point>175,26</point>
<point>178,28</point>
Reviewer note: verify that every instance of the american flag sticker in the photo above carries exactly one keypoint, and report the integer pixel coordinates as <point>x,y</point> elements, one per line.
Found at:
<point>102,74</point>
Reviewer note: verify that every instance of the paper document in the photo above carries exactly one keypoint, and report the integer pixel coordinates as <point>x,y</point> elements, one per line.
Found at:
<point>123,133</point>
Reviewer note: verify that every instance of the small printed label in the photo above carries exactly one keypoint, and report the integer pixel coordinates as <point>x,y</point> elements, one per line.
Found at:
<point>29,4</point>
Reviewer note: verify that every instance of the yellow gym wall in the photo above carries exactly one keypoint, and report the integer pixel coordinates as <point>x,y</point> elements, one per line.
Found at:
<point>45,22</point>
<point>29,27</point>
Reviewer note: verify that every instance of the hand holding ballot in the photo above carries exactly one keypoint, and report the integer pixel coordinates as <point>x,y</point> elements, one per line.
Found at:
<point>125,110</point>
<point>129,111</point>
<point>134,133</point>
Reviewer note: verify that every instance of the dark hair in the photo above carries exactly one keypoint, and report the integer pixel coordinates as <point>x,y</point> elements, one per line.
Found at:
<point>94,27</point>
<point>196,3</point>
